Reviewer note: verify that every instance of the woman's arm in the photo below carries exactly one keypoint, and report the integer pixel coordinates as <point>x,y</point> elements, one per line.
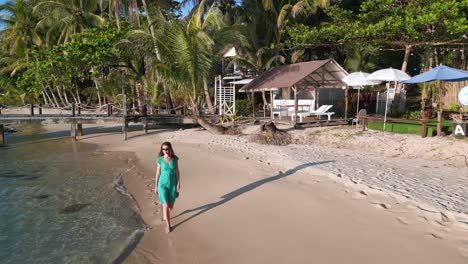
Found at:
<point>158,172</point>
<point>177,175</point>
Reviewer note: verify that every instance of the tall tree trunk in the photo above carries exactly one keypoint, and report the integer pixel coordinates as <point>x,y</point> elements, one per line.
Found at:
<point>65,95</point>
<point>397,98</point>
<point>134,12</point>
<point>253,105</point>
<point>47,99</point>
<point>59,92</point>
<point>404,66</point>
<point>207,96</point>
<point>97,91</point>
<point>167,92</point>
<point>137,93</point>
<point>296,100</point>
<point>53,96</point>
<point>78,95</point>
<point>101,7</point>
<point>117,13</point>
<point>74,98</point>
<point>265,103</point>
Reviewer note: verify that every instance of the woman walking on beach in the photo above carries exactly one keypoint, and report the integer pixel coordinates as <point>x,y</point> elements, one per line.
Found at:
<point>167,185</point>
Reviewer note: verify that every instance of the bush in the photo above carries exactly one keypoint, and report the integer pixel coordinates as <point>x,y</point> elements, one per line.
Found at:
<point>452,107</point>
<point>243,107</point>
<point>415,115</point>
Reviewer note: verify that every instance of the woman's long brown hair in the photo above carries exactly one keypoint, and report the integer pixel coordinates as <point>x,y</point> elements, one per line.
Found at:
<point>170,153</point>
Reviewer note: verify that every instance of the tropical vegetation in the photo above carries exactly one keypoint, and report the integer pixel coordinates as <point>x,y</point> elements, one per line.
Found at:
<point>165,53</point>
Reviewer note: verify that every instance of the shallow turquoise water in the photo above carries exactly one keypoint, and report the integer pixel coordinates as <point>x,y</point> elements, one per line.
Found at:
<point>60,203</point>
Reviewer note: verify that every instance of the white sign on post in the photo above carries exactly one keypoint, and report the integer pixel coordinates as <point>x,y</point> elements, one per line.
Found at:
<point>459,131</point>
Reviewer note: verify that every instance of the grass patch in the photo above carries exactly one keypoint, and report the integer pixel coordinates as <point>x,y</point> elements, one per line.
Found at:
<point>411,128</point>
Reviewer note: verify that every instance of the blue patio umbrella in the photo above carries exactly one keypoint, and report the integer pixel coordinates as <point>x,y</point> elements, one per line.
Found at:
<point>439,73</point>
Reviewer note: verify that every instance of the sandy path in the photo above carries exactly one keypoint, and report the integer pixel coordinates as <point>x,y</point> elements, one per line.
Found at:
<point>237,207</point>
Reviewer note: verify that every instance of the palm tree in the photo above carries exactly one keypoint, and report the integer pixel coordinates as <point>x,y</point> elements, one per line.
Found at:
<point>19,33</point>
<point>190,48</point>
<point>283,9</point>
<point>67,17</point>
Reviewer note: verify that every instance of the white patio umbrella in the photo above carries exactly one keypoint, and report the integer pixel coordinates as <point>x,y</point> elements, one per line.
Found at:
<point>389,75</point>
<point>358,79</point>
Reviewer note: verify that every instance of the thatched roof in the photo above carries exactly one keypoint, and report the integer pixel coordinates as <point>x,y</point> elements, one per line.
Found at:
<point>319,74</point>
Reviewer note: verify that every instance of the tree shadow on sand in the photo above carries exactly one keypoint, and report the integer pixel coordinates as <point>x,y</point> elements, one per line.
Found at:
<point>247,188</point>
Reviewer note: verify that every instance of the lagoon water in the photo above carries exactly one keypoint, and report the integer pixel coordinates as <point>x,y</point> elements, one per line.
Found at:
<point>61,202</point>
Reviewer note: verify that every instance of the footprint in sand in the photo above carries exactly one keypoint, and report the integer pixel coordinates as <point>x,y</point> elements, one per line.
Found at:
<point>384,206</point>
<point>402,221</point>
<point>435,235</point>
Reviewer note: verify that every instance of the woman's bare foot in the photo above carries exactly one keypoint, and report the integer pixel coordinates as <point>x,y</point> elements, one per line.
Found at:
<point>168,229</point>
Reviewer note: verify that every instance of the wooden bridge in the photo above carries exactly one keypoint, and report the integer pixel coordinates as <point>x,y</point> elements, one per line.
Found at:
<point>76,120</point>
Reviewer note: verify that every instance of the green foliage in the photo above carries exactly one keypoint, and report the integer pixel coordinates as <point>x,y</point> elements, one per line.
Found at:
<point>243,107</point>
<point>386,21</point>
<point>414,115</point>
<point>227,118</point>
<point>455,107</point>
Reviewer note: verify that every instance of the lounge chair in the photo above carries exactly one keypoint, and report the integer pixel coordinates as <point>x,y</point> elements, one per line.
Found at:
<point>276,111</point>
<point>322,110</point>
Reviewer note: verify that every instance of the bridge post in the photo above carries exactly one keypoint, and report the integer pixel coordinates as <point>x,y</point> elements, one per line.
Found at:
<point>32,109</point>
<point>40,108</point>
<point>79,129</point>
<point>79,109</point>
<point>2,134</point>
<point>145,125</point>
<point>73,131</point>
<point>73,109</point>
<point>109,109</point>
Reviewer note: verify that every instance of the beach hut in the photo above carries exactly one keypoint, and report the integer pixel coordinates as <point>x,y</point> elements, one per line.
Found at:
<point>311,76</point>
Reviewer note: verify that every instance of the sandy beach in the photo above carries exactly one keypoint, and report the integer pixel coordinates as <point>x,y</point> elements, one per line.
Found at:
<point>338,195</point>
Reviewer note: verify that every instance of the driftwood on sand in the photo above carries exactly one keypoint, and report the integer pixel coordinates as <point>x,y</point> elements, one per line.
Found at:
<point>216,129</point>
<point>270,134</point>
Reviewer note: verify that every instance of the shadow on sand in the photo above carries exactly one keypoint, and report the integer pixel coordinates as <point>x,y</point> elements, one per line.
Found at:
<point>247,188</point>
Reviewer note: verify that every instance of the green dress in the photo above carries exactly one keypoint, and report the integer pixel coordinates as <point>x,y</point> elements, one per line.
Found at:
<point>167,184</point>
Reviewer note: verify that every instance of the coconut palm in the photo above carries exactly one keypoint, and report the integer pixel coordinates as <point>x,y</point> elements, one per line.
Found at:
<point>67,17</point>
<point>190,51</point>
<point>283,9</point>
<point>19,23</point>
